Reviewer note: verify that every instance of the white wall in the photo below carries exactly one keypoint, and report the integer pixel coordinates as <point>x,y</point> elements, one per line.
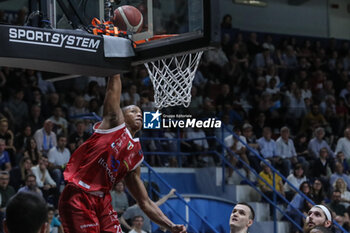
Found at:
<point>339,20</point>
<point>310,18</point>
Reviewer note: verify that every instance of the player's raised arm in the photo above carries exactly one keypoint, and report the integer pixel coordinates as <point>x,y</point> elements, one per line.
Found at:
<point>138,190</point>
<point>112,113</point>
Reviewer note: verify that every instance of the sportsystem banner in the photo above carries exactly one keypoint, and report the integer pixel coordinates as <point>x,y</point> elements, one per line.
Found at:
<point>63,51</point>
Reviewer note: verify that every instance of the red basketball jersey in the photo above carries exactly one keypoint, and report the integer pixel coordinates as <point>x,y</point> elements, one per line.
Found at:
<point>104,159</point>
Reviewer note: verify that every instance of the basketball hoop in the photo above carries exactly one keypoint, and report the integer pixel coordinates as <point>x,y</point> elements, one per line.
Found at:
<point>172,79</point>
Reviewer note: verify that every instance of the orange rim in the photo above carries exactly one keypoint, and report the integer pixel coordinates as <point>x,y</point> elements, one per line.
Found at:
<point>156,37</point>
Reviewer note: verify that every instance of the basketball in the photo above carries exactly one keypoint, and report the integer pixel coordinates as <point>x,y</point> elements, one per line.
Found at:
<point>128,18</point>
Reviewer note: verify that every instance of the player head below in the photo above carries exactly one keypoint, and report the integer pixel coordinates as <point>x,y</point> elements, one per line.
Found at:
<point>133,118</point>
<point>318,215</point>
<point>242,217</point>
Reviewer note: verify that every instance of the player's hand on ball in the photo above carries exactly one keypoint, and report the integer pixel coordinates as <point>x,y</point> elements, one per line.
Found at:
<point>179,229</point>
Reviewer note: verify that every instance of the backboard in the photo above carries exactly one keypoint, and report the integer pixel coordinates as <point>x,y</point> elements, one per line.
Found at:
<point>192,25</point>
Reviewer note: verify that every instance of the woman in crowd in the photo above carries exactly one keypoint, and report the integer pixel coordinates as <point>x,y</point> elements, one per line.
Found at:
<point>296,179</point>
<point>317,192</point>
<point>32,152</point>
<point>341,185</point>
<point>19,173</point>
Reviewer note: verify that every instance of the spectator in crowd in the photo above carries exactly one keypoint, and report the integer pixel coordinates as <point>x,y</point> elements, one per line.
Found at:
<point>306,92</point>
<point>313,119</point>
<point>267,44</point>
<point>301,147</point>
<point>321,168</point>
<point>35,119</point>
<point>253,45</point>
<point>226,22</point>
<point>339,173</point>
<point>22,139</point>
<point>6,192</point>
<point>77,138</point>
<point>340,216</point>
<point>7,135</point>
<point>93,92</point>
<point>31,186</point>
<point>52,102</point>
<point>285,152</point>
<point>296,179</point>
<point>296,108</point>
<point>45,138</point>
<point>267,145</point>
<point>289,57</point>
<point>44,181</point>
<point>318,215</point>
<point>343,144</point>
<point>5,163</point>
<point>317,193</point>
<point>341,159</point>
<point>341,186</point>
<point>78,108</point>
<point>198,143</point>
<point>19,173</point>
<point>18,108</point>
<point>267,178</point>
<point>345,91</point>
<point>135,210</point>
<point>26,212</point>
<point>317,143</point>
<point>248,133</point>
<point>55,225</point>
<point>32,152</point>
<point>262,60</point>
<point>131,97</point>
<point>58,158</point>
<point>60,124</point>
<point>137,224</point>
<point>147,105</point>
<point>241,218</point>
<point>119,198</point>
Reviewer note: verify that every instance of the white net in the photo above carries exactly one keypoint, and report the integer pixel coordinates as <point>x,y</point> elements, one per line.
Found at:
<point>172,79</point>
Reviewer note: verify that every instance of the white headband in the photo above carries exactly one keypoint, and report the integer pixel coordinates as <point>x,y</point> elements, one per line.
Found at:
<point>325,211</point>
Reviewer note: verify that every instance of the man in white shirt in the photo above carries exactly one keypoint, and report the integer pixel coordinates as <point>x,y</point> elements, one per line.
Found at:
<point>343,144</point>
<point>266,144</point>
<point>44,181</point>
<point>58,158</point>
<point>286,154</point>
<point>43,178</point>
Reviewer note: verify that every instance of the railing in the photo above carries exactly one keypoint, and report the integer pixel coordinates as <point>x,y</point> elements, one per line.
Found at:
<point>152,171</point>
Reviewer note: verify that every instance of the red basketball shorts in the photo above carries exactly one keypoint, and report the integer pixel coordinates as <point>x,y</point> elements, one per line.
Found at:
<point>82,212</point>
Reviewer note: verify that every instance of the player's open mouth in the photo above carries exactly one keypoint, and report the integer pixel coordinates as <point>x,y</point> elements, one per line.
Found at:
<point>310,224</point>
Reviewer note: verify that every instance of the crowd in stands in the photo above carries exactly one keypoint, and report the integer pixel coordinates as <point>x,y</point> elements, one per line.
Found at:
<point>286,97</point>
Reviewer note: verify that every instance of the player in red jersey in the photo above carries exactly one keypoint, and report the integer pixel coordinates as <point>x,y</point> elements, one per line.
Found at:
<point>109,155</point>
